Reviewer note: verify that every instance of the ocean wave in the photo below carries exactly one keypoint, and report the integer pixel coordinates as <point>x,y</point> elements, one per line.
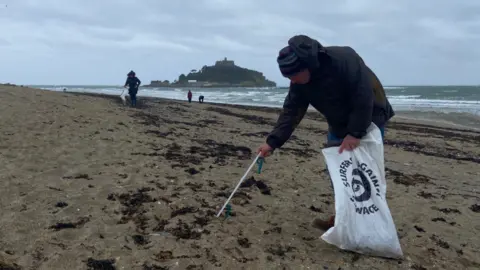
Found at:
<point>435,102</point>
<point>275,98</point>
<point>394,87</point>
<point>403,96</point>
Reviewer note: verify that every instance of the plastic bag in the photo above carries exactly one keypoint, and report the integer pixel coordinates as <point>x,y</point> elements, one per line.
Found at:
<point>122,96</point>
<point>363,222</point>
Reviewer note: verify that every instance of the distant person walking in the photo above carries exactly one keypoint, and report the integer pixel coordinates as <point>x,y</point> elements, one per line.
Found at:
<point>189,96</point>
<point>133,83</point>
<point>200,99</point>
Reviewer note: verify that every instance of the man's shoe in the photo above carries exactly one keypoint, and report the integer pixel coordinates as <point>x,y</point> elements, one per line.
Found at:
<point>324,225</point>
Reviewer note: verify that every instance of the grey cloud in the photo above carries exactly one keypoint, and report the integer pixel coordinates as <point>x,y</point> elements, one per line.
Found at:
<point>94,42</point>
<point>4,42</point>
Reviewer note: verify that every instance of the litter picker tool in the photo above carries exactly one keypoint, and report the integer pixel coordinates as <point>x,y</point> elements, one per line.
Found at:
<point>239,183</point>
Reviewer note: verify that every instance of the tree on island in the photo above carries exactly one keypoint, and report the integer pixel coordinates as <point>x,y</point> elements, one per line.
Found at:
<point>182,78</point>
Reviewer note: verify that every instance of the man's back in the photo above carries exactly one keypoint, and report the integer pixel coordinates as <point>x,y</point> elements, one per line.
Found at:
<point>132,82</point>
<point>345,58</point>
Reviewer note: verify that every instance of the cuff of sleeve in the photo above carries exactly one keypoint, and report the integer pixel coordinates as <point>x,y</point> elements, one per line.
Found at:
<point>357,134</point>
<point>273,143</point>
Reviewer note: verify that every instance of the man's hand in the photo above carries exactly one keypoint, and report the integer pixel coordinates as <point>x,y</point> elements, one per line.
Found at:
<point>265,150</point>
<point>349,143</point>
<point>124,86</point>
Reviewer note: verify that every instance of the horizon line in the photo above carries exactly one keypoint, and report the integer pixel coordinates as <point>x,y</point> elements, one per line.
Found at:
<point>278,86</point>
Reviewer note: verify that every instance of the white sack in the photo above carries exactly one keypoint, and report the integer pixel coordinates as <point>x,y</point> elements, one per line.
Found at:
<point>363,222</point>
<point>122,96</point>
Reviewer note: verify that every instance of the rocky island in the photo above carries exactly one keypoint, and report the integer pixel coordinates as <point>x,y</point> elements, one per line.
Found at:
<point>223,74</point>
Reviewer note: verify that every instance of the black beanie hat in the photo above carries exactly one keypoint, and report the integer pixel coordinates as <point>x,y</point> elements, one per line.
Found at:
<point>289,63</point>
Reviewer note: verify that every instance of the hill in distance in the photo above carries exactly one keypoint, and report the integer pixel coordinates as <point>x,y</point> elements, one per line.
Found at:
<point>223,74</point>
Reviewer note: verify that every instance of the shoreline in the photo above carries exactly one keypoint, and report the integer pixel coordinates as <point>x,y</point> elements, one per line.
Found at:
<point>403,103</point>
<point>210,87</point>
<point>87,181</point>
<point>432,118</point>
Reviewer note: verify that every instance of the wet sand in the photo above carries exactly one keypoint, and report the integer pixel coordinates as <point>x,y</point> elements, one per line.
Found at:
<point>90,184</point>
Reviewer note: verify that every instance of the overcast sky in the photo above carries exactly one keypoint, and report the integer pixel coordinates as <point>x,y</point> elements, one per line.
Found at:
<point>99,41</point>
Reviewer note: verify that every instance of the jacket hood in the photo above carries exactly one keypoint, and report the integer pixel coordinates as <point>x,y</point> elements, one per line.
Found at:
<point>307,49</point>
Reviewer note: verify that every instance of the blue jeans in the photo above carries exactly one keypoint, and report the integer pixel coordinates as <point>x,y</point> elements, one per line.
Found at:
<point>133,98</point>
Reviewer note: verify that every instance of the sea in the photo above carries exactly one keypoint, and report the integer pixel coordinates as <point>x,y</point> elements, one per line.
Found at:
<point>440,99</point>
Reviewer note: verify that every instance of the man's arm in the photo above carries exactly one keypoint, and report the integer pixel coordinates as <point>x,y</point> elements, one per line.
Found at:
<point>126,83</point>
<point>294,109</point>
<point>138,82</point>
<point>361,96</point>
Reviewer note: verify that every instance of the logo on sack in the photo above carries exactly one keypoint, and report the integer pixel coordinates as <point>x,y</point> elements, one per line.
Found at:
<point>363,184</point>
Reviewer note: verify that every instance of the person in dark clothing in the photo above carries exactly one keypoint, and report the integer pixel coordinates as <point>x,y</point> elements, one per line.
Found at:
<point>200,99</point>
<point>337,83</point>
<point>189,96</point>
<point>133,83</point>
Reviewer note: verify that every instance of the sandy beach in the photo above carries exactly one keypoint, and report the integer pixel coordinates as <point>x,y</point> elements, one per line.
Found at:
<point>88,183</point>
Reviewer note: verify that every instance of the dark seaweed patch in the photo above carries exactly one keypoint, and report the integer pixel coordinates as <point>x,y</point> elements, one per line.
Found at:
<point>440,242</point>
<point>264,189</point>
<point>305,152</point>
<point>253,119</point>
<point>220,151</point>
<point>433,151</point>
<point>61,204</point>
<point>243,242</point>
<point>475,208</point>
<point>93,264</point>
<point>183,211</point>
<point>407,180</point>
<point>70,225</point>
<point>140,240</point>
<point>184,231</point>
<point>133,207</point>
<point>279,250</point>
<point>315,209</point>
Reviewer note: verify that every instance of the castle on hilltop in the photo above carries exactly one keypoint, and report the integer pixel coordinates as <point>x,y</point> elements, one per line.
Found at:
<point>225,63</point>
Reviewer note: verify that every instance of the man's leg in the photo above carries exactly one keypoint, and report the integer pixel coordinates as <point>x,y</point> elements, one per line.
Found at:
<point>134,99</point>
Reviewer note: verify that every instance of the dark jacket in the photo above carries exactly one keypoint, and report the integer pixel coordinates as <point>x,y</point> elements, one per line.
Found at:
<point>133,84</point>
<point>341,87</point>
